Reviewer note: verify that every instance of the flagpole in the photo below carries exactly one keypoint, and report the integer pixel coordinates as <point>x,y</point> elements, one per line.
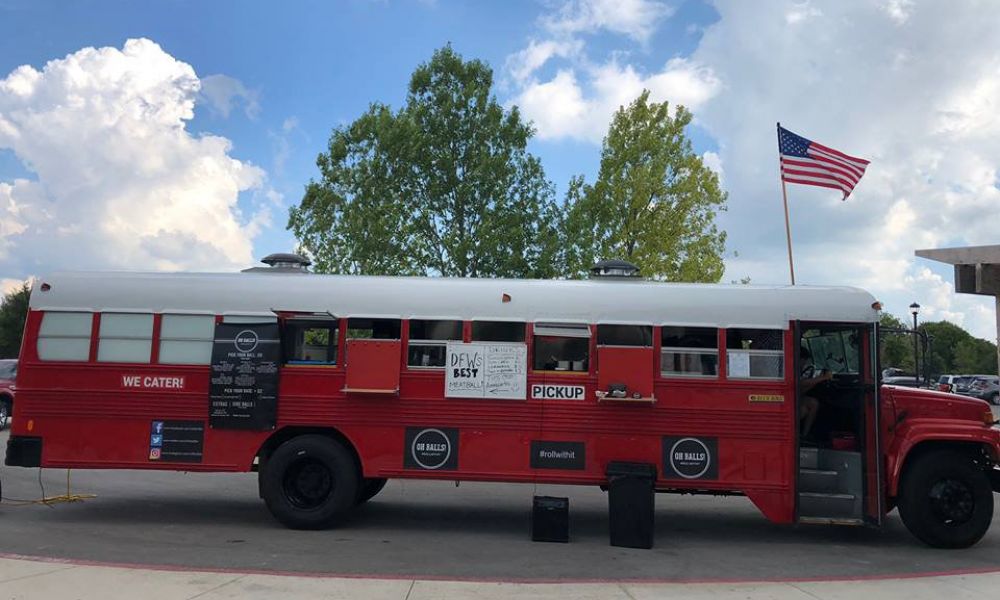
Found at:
<point>784,197</point>
<point>788,229</point>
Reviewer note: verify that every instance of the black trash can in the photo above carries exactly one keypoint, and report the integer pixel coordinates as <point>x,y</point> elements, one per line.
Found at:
<point>550,519</point>
<point>630,503</point>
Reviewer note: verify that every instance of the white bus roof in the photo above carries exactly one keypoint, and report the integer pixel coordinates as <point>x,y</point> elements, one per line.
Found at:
<point>593,301</point>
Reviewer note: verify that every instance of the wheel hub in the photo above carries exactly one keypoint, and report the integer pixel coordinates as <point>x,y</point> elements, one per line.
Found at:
<point>952,501</point>
<point>308,483</point>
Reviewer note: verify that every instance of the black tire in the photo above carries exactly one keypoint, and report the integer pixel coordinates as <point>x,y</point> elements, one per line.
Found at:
<point>946,500</point>
<point>310,482</point>
<point>995,398</point>
<point>370,488</point>
<point>4,412</point>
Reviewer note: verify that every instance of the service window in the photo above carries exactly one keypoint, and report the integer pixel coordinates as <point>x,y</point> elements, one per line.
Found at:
<point>689,351</point>
<point>497,331</point>
<point>125,338</point>
<point>755,354</point>
<point>310,342</point>
<point>65,336</point>
<point>376,329</point>
<point>624,335</point>
<point>562,347</point>
<point>429,342</point>
<point>186,339</point>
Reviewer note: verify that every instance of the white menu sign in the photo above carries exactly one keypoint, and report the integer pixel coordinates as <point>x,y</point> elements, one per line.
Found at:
<point>486,370</point>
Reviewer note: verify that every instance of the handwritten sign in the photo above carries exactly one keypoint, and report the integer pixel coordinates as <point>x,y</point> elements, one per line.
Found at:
<point>486,370</point>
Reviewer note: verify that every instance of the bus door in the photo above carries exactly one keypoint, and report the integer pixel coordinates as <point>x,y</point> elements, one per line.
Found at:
<point>839,469</point>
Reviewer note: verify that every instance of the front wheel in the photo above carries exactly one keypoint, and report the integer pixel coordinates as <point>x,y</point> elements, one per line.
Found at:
<point>946,500</point>
<point>310,482</point>
<point>369,488</point>
<point>995,398</point>
<point>4,412</point>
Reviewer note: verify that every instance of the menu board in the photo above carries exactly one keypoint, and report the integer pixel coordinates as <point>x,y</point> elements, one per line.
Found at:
<point>243,393</point>
<point>486,370</point>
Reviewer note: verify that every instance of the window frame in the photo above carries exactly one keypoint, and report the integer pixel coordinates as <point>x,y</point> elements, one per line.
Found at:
<point>780,353</point>
<point>564,330</point>
<point>159,337</point>
<point>332,324</point>
<point>690,350</point>
<point>89,337</point>
<point>101,337</point>
<point>436,343</point>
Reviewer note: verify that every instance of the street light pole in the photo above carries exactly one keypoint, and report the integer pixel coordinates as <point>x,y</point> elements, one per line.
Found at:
<point>914,309</point>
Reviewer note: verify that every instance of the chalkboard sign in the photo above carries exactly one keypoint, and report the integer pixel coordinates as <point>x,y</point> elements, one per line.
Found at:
<point>243,393</point>
<point>486,370</point>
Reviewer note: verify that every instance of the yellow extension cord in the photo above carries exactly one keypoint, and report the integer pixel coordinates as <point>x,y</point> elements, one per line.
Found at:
<point>49,501</point>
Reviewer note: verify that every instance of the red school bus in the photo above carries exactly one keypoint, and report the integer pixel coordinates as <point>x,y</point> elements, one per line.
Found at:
<point>330,385</point>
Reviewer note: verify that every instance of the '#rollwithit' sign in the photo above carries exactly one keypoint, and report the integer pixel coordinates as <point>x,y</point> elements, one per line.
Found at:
<point>243,393</point>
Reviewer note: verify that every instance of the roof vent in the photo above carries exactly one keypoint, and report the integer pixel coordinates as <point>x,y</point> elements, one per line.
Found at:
<point>614,269</point>
<point>282,262</point>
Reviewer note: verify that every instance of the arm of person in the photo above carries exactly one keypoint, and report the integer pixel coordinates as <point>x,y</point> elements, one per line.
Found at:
<point>811,382</point>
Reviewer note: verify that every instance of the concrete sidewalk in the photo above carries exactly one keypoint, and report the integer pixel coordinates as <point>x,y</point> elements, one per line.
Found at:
<point>30,579</point>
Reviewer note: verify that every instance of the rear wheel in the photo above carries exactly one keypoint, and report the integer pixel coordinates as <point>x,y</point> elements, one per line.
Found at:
<point>946,500</point>
<point>370,488</point>
<point>309,482</point>
<point>4,412</point>
<point>995,398</point>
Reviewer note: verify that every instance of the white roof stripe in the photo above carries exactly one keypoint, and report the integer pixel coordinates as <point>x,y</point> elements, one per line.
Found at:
<point>472,299</point>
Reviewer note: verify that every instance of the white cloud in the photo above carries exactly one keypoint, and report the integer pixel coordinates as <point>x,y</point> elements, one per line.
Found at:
<point>225,93</point>
<point>578,101</point>
<point>713,161</point>
<point>522,64</point>
<point>120,181</point>
<point>885,82</point>
<point>563,107</point>
<point>799,12</point>
<point>637,19</point>
<point>9,285</point>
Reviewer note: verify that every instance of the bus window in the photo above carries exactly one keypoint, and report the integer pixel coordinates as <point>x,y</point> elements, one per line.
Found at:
<point>429,342</point>
<point>624,335</point>
<point>836,351</point>
<point>310,342</point>
<point>689,352</point>
<point>755,354</point>
<point>561,347</point>
<point>378,329</point>
<point>65,336</point>
<point>186,339</point>
<point>497,331</point>
<point>125,338</point>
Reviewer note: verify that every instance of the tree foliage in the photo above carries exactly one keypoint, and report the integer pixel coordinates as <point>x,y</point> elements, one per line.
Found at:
<point>952,350</point>
<point>13,312</point>
<point>654,202</point>
<point>443,186</point>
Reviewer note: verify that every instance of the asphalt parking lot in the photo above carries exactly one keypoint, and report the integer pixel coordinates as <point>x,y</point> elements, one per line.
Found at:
<point>435,530</point>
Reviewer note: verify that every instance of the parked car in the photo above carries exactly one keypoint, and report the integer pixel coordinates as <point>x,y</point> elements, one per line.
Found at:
<point>8,373</point>
<point>904,380</point>
<point>946,383</point>
<point>985,387</point>
<point>962,385</point>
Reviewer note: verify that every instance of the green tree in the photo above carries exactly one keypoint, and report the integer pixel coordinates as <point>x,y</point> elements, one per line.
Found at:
<point>896,347</point>
<point>654,202</point>
<point>443,186</point>
<point>13,312</point>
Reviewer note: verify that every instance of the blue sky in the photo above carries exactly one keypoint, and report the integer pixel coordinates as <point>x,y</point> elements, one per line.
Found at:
<point>267,82</point>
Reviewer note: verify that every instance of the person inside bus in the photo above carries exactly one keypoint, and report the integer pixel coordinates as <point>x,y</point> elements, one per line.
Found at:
<point>808,381</point>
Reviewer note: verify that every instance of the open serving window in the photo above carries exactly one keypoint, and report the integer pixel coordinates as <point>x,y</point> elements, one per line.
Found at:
<point>625,363</point>
<point>562,347</point>
<point>373,356</point>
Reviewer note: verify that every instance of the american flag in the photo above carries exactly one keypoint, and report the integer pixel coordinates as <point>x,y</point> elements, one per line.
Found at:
<point>804,161</point>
